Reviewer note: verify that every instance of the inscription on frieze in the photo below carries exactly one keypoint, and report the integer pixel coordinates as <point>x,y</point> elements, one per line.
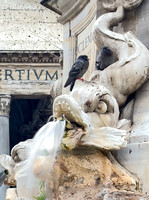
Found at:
<point>29,73</point>
<point>24,73</point>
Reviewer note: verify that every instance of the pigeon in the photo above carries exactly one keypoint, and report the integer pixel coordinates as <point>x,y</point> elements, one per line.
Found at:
<point>78,69</point>
<point>104,58</point>
<point>3,176</point>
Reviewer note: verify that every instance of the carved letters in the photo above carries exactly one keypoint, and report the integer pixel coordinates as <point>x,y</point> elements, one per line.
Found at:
<point>28,74</point>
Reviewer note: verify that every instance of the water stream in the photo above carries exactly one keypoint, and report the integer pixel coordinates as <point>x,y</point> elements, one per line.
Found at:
<point>41,156</point>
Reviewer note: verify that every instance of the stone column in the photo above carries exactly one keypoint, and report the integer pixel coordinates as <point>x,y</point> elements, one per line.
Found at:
<point>4,132</point>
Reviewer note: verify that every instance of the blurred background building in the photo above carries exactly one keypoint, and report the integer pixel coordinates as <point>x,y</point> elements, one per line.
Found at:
<point>30,52</point>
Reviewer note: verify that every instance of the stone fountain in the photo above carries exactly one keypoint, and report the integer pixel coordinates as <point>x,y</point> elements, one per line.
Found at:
<point>98,122</point>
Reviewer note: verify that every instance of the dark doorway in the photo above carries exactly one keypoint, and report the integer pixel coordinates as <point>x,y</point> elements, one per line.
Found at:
<point>27,116</point>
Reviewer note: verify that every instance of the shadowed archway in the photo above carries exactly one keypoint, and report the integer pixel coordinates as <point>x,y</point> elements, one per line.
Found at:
<point>27,116</point>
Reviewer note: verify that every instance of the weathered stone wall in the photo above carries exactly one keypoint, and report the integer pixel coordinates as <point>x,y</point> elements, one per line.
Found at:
<point>27,25</point>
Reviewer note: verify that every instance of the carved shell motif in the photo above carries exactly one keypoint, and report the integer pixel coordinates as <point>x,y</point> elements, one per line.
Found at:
<point>112,5</point>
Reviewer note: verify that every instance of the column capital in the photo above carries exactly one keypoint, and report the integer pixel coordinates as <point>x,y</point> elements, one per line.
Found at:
<point>5,104</point>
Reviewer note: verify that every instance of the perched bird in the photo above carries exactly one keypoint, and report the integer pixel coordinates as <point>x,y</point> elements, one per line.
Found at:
<point>3,176</point>
<point>104,58</point>
<point>77,71</point>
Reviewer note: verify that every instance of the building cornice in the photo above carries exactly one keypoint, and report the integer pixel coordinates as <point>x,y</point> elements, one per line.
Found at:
<point>30,56</point>
<point>78,6</point>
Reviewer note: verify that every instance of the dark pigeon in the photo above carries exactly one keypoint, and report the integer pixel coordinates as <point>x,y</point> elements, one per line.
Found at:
<point>104,58</point>
<point>3,176</point>
<point>77,71</point>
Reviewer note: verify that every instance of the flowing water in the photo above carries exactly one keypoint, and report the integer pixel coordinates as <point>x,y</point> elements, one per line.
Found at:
<point>42,155</point>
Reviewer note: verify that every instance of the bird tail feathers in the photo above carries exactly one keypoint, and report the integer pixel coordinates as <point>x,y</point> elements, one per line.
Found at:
<point>69,80</point>
<point>72,85</point>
